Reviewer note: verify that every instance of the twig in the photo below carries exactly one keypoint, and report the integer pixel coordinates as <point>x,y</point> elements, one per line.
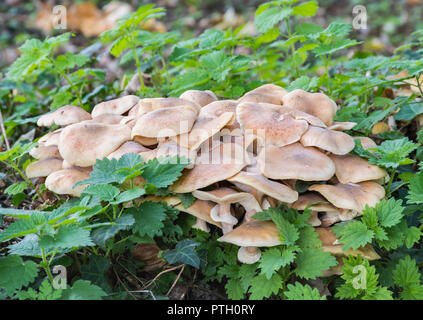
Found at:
<point>158,276</point>
<point>123,285</point>
<point>176,280</point>
<point>3,131</point>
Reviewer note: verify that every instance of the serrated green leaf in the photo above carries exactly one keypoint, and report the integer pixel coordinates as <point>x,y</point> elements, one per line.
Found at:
<point>302,292</point>
<point>83,290</point>
<point>149,217</point>
<point>15,273</point>
<point>273,259</point>
<point>312,262</point>
<point>261,287</point>
<point>67,237</point>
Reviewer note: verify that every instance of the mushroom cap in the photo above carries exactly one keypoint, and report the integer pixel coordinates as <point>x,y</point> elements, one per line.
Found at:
<point>220,195</point>
<point>64,116</point>
<point>271,188</point>
<point>116,106</point>
<point>171,149</point>
<point>167,122</point>
<point>43,167</point>
<point>216,165</point>
<point>81,144</point>
<point>336,142</point>
<point>51,138</point>
<point>199,97</point>
<point>147,105</point>
<point>267,122</point>
<point>42,152</point>
<point>62,181</point>
<point>145,141</point>
<point>169,200</point>
<point>351,196</point>
<point>295,162</point>
<point>127,147</point>
<point>106,118</point>
<point>253,234</point>
<point>352,168</point>
<point>200,209</point>
<point>332,245</point>
<point>268,93</point>
<point>316,104</point>
<point>342,126</point>
<point>217,108</point>
<point>312,197</point>
<point>366,142</point>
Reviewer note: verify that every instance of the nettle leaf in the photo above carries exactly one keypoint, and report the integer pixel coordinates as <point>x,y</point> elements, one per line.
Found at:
<point>28,246</point>
<point>16,188</point>
<point>95,271</point>
<point>67,237</point>
<point>354,235</point>
<point>307,9</point>
<point>163,171</point>
<point>83,290</point>
<point>406,273</point>
<point>187,199</point>
<point>102,234</point>
<point>311,262</point>
<point>326,49</point>
<point>149,217</point>
<point>15,273</point>
<point>287,231</point>
<point>393,153</point>
<point>273,259</point>
<point>234,289</point>
<point>415,189</point>
<point>128,195</point>
<point>302,292</point>
<point>262,287</point>
<point>185,253</point>
<point>266,19</point>
<point>412,236</point>
<point>389,212</point>
<point>104,192</point>
<point>409,111</point>
<point>24,226</point>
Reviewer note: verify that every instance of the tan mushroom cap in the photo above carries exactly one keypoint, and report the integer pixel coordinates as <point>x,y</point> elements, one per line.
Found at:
<point>217,108</point>
<point>217,165</point>
<point>43,152</point>
<point>51,138</point>
<point>295,162</point>
<point>64,116</point>
<point>271,188</point>
<point>342,126</point>
<point>332,245</point>
<point>200,209</point>
<point>169,200</point>
<point>267,122</point>
<point>268,93</point>
<point>62,181</point>
<point>43,167</point>
<point>312,198</point>
<point>106,118</point>
<point>253,234</point>
<point>166,122</point>
<point>145,141</point>
<point>352,168</point>
<point>81,144</point>
<point>147,105</point>
<point>336,142</point>
<point>171,149</point>
<point>116,106</point>
<point>316,104</point>
<point>351,196</point>
<point>199,97</point>
<point>127,147</point>
<point>366,142</point>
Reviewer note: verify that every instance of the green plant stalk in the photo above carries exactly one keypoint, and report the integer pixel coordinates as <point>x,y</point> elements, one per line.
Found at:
<point>288,30</point>
<point>391,179</point>
<point>46,265</point>
<point>137,61</point>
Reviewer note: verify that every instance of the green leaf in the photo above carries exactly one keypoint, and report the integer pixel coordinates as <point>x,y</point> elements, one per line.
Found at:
<point>287,231</point>
<point>100,235</point>
<point>28,246</point>
<point>15,273</point>
<point>234,289</point>
<point>273,259</point>
<point>149,217</point>
<point>83,290</point>
<point>312,262</point>
<point>393,153</point>
<point>266,19</point>
<point>415,189</point>
<point>406,273</point>
<point>307,9</point>
<point>302,292</point>
<point>389,212</point>
<point>104,192</point>
<point>409,111</point>
<point>187,199</point>
<point>185,253</point>
<point>128,195</point>
<point>16,188</point>
<point>354,235</point>
<point>163,171</point>
<point>412,236</point>
<point>95,271</point>
<point>67,237</point>
<point>261,287</point>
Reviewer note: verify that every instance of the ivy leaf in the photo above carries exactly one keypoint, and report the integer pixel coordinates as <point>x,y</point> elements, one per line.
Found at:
<point>83,290</point>
<point>163,171</point>
<point>354,235</point>
<point>261,287</point>
<point>273,259</point>
<point>185,253</point>
<point>266,19</point>
<point>15,273</point>
<point>67,237</point>
<point>302,292</point>
<point>149,218</point>
<point>312,262</point>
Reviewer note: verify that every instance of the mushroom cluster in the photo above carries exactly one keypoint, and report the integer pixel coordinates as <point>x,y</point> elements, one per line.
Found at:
<point>246,155</point>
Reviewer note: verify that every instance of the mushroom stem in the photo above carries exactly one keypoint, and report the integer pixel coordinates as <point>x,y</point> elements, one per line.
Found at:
<point>249,255</point>
<point>202,225</point>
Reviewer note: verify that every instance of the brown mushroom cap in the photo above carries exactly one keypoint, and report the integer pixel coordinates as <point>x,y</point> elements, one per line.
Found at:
<point>217,108</point>
<point>199,97</point>
<point>311,197</point>
<point>62,181</point>
<point>127,147</point>
<point>336,142</point>
<point>43,152</point>
<point>147,105</point>
<point>271,188</point>
<point>268,93</point>
<point>145,141</point>
<point>116,106</point>
<point>295,162</point>
<point>253,234</point>
<point>64,116</point>
<point>342,126</point>
<point>351,196</point>
<point>200,209</point>
<point>316,104</point>
<point>81,144</point>
<point>167,122</point>
<point>352,168</point>
<point>332,245</point>
<point>43,167</point>
<point>219,164</point>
